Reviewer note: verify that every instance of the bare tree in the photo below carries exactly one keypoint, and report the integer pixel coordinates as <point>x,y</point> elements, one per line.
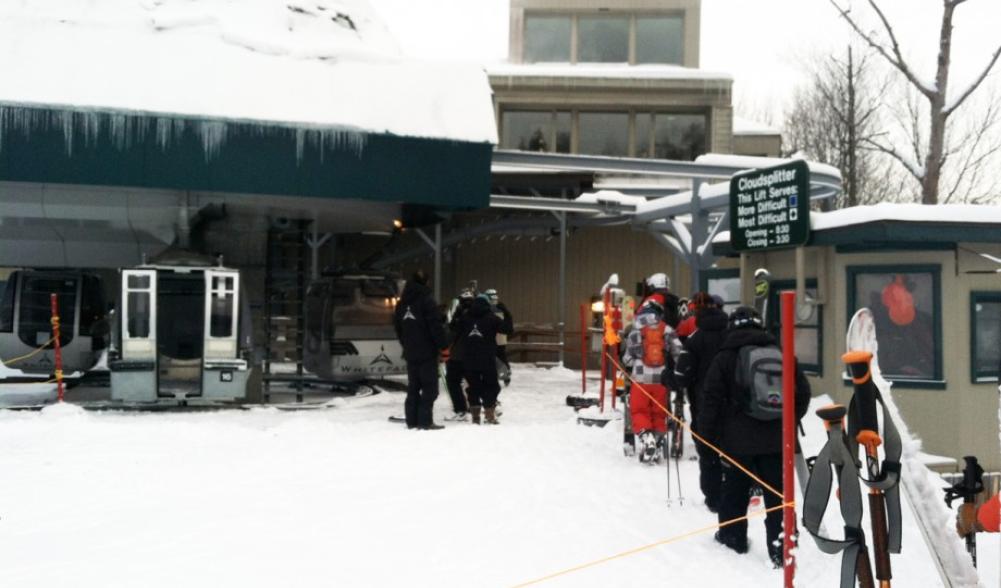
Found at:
<point>835,117</point>
<point>931,148</point>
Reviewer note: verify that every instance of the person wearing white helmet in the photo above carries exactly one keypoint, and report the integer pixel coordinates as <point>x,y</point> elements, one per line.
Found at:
<point>652,348</point>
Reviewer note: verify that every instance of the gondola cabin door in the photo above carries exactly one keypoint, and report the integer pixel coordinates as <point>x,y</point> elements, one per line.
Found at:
<point>224,374</point>
<point>134,373</point>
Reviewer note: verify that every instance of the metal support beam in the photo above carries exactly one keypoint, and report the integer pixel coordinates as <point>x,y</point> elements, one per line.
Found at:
<point>671,243</point>
<point>437,263</point>
<point>700,228</point>
<point>562,306</point>
<point>315,242</point>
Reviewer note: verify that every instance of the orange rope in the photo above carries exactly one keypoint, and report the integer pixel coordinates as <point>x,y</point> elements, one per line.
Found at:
<point>652,545</point>
<point>28,355</point>
<point>695,435</point>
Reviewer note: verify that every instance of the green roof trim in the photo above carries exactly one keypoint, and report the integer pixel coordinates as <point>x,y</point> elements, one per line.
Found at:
<point>46,145</point>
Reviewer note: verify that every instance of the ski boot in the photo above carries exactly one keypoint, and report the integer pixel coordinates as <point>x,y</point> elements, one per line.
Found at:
<point>460,416</point>
<point>475,412</point>
<point>649,448</point>
<point>490,416</point>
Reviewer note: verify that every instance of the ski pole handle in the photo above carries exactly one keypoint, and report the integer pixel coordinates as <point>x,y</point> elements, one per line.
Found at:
<point>860,370</point>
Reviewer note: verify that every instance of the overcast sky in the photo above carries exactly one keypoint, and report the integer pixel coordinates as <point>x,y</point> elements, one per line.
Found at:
<point>761,43</point>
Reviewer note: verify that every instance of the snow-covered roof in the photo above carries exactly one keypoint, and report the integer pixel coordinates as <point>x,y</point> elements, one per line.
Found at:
<point>322,64</point>
<point>606,70</point>
<point>746,126</point>
<point>944,214</point>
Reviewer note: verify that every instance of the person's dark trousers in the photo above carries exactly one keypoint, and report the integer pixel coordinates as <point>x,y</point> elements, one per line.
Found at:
<point>502,355</point>
<point>735,494</point>
<point>709,474</point>
<point>422,389</point>
<point>483,387</point>
<point>453,381</point>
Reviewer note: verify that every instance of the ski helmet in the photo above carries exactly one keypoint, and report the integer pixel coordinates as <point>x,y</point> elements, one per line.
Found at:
<point>658,281</point>
<point>744,316</point>
<point>467,294</point>
<point>491,294</point>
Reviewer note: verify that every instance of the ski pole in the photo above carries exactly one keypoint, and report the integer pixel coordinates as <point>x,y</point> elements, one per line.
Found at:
<point>858,363</point>
<point>833,417</point>
<point>967,489</point>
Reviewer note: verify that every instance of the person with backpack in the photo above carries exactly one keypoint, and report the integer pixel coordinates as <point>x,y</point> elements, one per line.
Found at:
<point>652,347</point>
<point>421,331</point>
<point>499,308</point>
<point>741,413</point>
<point>478,335</point>
<point>697,353</point>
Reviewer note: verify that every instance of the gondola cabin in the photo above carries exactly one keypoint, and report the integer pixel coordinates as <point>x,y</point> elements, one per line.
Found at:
<point>182,334</point>
<point>26,320</point>
<point>349,328</point>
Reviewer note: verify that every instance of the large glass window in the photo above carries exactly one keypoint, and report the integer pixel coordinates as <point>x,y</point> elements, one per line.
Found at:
<point>604,133</point>
<point>808,330</point>
<point>905,303</point>
<point>679,136</point>
<point>726,285</point>
<point>536,131</point>
<point>547,39</point>
<point>659,39</point>
<point>35,320</point>
<point>985,335</point>
<point>603,39</point>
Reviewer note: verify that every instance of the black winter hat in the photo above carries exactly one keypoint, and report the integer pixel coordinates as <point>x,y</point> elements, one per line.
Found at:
<point>744,317</point>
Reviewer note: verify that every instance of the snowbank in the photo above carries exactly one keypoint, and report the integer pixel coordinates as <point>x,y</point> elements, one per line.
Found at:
<point>326,65</point>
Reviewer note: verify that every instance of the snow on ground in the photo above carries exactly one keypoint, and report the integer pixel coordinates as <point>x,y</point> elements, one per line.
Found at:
<point>342,497</point>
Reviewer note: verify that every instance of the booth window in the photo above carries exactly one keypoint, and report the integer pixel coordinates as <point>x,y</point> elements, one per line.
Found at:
<point>528,130</point>
<point>7,305</point>
<point>547,39</point>
<point>659,39</point>
<point>221,318</point>
<point>603,39</point>
<point>604,133</point>
<point>724,283</point>
<point>906,306</point>
<point>985,336</point>
<point>809,325</point>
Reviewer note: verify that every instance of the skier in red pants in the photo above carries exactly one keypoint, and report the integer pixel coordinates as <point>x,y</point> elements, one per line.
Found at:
<point>652,347</point>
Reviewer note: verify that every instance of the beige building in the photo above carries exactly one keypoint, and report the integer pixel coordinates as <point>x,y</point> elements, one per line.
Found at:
<point>936,300</point>
<point>614,78</point>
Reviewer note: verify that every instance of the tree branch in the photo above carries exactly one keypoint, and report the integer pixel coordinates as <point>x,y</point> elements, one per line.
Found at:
<point>969,90</point>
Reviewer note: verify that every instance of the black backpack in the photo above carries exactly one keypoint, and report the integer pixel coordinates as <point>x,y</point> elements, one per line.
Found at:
<point>759,379</point>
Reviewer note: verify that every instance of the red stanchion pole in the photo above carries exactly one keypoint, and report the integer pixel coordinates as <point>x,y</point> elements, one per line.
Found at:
<point>583,348</point>
<point>54,300</point>
<point>788,433</point>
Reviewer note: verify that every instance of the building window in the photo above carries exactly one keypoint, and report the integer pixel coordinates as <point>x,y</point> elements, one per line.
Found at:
<point>670,136</point>
<point>985,336</point>
<point>547,39</point>
<point>604,133</point>
<point>724,283</point>
<point>905,302</point>
<point>536,131</point>
<point>809,320</point>
<point>659,39</point>
<point>603,39</point>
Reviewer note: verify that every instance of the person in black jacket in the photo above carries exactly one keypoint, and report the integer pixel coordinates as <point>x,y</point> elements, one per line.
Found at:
<point>697,354</point>
<point>478,333</point>
<point>753,443</point>
<point>421,330</point>
<point>454,372</point>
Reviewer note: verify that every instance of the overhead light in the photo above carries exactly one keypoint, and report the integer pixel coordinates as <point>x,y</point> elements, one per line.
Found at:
<point>398,223</point>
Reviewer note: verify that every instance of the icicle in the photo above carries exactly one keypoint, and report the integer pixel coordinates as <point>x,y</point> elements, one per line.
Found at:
<point>213,136</point>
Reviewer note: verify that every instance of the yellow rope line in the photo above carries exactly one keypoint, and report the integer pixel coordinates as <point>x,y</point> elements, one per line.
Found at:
<point>695,435</point>
<point>656,544</point>
<point>28,355</point>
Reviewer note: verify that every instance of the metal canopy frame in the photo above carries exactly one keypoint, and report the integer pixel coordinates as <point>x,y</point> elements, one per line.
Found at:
<point>685,222</point>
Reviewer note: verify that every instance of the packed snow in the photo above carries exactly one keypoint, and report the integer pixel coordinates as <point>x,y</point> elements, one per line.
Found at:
<point>325,67</point>
<point>342,497</point>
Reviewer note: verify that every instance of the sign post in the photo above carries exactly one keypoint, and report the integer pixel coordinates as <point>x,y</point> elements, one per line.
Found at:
<point>770,208</point>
